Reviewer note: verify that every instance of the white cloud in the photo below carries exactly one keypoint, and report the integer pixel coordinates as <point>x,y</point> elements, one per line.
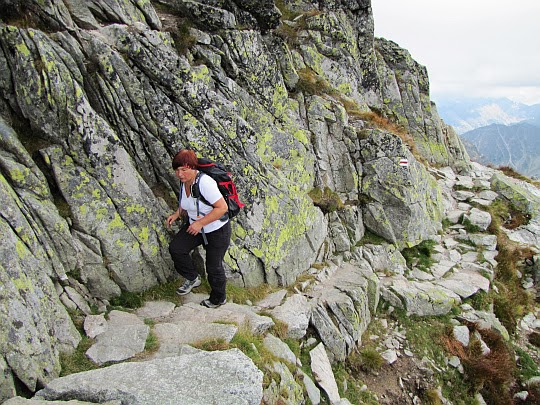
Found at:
<point>471,48</point>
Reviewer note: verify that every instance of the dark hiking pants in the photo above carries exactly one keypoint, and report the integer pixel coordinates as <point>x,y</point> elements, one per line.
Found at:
<point>218,242</point>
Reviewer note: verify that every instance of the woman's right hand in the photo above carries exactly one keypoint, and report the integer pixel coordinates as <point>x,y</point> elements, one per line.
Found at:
<point>172,218</point>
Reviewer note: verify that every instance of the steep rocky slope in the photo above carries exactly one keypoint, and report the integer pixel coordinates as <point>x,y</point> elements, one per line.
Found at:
<point>97,96</point>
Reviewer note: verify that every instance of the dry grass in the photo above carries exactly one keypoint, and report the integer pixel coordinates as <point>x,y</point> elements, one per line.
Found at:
<point>512,301</point>
<point>289,32</point>
<point>310,82</point>
<point>511,172</point>
<point>383,123</point>
<point>491,374</point>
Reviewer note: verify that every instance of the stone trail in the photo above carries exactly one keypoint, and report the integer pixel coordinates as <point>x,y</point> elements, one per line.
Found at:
<point>337,303</point>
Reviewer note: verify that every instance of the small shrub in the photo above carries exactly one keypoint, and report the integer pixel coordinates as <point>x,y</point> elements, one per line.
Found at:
<point>326,200</point>
<point>379,121</point>
<point>280,329</point>
<point>432,397</point>
<point>505,214</point>
<point>480,301</point>
<point>534,339</point>
<point>371,360</point>
<point>183,40</point>
<point>354,391</point>
<point>166,291</point>
<point>510,304</point>
<point>286,13</point>
<point>527,366</point>
<point>152,343</point>
<point>243,294</point>
<point>491,374</point>
<point>212,345</point>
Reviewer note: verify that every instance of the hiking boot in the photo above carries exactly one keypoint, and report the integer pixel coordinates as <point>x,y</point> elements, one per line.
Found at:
<point>188,286</point>
<point>209,304</point>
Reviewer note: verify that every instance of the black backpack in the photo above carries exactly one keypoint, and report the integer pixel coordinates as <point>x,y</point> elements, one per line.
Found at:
<point>225,184</point>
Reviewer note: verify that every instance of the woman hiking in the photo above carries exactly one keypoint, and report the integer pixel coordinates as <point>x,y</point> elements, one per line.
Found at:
<point>208,226</point>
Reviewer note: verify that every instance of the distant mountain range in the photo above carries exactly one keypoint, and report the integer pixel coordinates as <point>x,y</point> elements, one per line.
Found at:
<point>516,145</point>
<point>470,113</point>
<point>497,131</point>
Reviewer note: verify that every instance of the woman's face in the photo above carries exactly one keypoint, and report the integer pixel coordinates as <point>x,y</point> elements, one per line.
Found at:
<point>185,174</point>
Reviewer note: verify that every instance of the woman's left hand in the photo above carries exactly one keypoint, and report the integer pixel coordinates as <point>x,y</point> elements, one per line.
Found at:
<point>194,228</point>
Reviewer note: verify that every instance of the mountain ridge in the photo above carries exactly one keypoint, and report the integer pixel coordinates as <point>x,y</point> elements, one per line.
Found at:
<point>516,145</point>
<point>465,114</point>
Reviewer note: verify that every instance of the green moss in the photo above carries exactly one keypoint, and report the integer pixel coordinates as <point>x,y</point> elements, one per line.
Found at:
<point>239,232</point>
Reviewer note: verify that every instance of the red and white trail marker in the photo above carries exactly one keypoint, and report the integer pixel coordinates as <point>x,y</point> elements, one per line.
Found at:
<point>404,162</point>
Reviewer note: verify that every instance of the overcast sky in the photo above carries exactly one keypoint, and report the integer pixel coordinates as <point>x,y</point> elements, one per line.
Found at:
<point>471,48</point>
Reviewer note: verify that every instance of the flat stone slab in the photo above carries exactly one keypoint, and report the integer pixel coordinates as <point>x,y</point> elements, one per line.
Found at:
<point>155,309</point>
<point>322,371</point>
<point>465,283</point>
<point>124,337</point>
<point>240,315</point>
<point>440,269</point>
<point>470,257</point>
<point>218,377</point>
<point>295,312</point>
<point>272,300</point>
<point>173,335</point>
<point>118,343</point>
<point>425,298</point>
<point>279,348</point>
<point>95,325</point>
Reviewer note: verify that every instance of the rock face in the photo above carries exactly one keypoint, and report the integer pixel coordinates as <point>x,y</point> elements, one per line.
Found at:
<point>96,97</point>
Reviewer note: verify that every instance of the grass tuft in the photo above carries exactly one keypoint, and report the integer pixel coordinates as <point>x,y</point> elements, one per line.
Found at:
<point>367,359</point>
<point>77,361</point>
<point>241,295</point>
<point>128,299</point>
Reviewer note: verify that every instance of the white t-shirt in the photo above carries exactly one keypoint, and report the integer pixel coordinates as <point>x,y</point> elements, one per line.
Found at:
<point>209,189</point>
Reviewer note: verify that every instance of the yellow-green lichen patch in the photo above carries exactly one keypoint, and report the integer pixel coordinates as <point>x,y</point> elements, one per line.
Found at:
<point>135,208</point>
<point>23,283</point>
<point>143,234</point>
<point>18,175</point>
<point>21,249</point>
<point>116,222</point>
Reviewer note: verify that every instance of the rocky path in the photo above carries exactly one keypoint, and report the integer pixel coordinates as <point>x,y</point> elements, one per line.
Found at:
<point>328,314</point>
